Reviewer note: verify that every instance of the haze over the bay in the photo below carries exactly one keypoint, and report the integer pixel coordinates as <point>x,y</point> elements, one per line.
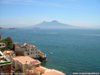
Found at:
<point>24,13</point>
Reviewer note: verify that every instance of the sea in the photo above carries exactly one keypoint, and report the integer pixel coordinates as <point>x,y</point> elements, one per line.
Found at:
<point>68,50</point>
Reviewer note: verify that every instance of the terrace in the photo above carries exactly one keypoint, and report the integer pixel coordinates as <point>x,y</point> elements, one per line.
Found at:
<point>4,60</point>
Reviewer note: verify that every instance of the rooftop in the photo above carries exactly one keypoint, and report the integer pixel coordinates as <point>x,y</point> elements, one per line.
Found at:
<point>46,71</point>
<point>24,45</point>
<point>26,60</point>
<point>8,52</point>
<point>38,69</point>
<point>53,72</point>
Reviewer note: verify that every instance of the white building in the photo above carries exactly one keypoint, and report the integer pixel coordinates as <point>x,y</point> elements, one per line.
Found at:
<point>28,50</point>
<point>2,45</point>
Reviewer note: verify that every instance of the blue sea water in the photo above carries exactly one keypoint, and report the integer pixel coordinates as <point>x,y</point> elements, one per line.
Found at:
<point>70,50</point>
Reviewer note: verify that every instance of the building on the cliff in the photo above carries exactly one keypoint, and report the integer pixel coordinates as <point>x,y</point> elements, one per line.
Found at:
<point>53,72</point>
<point>9,54</point>
<point>24,63</point>
<point>28,50</point>
<point>5,65</point>
<point>37,71</point>
<point>44,71</point>
<point>2,45</point>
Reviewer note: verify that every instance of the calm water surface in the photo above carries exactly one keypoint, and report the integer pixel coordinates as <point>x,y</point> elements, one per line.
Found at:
<point>71,50</point>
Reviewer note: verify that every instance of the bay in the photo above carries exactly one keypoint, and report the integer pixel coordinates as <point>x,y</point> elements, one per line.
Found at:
<point>70,50</point>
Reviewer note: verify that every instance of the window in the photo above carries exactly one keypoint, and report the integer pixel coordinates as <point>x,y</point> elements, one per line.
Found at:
<point>0,55</point>
<point>3,44</point>
<point>27,53</point>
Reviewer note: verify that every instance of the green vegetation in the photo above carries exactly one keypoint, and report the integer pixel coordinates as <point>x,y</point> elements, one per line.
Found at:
<point>9,43</point>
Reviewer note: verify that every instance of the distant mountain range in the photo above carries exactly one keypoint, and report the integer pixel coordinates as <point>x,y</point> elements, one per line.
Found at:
<point>52,25</point>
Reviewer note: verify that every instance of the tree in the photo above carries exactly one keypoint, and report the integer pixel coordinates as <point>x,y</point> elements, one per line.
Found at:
<point>9,43</point>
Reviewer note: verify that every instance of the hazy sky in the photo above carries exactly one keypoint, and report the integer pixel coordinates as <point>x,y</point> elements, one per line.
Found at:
<point>85,13</point>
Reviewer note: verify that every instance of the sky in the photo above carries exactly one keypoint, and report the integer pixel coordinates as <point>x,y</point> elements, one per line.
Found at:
<point>23,13</point>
